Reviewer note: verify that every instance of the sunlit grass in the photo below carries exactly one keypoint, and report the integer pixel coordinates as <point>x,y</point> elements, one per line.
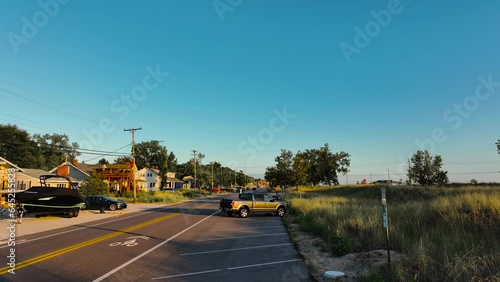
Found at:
<point>162,197</point>
<point>444,233</point>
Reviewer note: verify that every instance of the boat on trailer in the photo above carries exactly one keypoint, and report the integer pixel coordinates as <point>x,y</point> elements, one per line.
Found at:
<point>44,199</point>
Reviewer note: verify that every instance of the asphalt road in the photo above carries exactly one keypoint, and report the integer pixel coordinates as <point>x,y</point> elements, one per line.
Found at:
<point>192,241</point>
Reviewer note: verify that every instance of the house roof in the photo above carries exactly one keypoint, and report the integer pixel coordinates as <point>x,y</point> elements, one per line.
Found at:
<point>173,179</point>
<point>5,161</point>
<point>34,173</point>
<point>54,170</point>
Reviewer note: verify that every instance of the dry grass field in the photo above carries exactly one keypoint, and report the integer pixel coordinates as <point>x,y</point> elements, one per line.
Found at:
<point>442,233</point>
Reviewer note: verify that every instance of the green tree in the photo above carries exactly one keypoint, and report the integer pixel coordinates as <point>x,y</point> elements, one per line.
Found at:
<point>55,149</point>
<point>172,162</point>
<point>103,161</point>
<point>282,174</point>
<point>94,185</point>
<point>498,146</point>
<point>324,165</point>
<point>17,147</point>
<point>426,170</point>
<point>152,154</point>
<point>300,169</point>
<point>124,159</point>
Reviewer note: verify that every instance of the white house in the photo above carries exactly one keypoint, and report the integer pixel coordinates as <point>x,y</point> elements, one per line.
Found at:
<point>149,179</point>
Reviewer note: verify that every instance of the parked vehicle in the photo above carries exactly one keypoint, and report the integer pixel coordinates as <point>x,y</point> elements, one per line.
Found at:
<point>253,203</point>
<point>98,202</point>
<point>44,200</point>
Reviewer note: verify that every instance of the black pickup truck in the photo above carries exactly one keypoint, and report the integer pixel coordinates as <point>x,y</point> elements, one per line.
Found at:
<point>253,203</point>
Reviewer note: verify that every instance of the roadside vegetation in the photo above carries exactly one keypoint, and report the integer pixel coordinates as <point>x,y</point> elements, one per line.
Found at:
<point>163,197</point>
<point>443,234</point>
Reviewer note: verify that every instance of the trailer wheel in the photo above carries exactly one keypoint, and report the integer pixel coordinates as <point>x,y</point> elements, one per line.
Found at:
<point>76,212</point>
<point>70,214</point>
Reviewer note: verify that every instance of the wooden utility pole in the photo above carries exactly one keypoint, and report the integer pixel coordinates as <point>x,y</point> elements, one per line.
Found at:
<point>133,130</point>
<point>194,160</point>
<point>212,175</point>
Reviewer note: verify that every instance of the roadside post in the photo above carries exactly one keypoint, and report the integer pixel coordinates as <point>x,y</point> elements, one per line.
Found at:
<point>386,223</point>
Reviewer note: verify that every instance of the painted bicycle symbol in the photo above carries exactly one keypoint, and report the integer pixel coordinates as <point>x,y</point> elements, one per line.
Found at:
<point>129,243</point>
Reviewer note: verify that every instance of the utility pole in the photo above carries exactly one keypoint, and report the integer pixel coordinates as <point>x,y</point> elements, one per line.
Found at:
<point>388,177</point>
<point>212,175</point>
<point>409,172</point>
<point>133,130</point>
<point>194,160</point>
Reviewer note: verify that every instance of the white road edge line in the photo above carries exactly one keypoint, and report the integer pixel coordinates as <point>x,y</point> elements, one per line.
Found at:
<point>86,227</point>
<point>236,249</point>
<point>250,236</point>
<point>229,268</point>
<point>232,229</point>
<point>262,264</point>
<point>187,274</point>
<point>152,249</point>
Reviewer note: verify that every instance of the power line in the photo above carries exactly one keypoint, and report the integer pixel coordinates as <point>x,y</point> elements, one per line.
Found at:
<point>49,107</point>
<point>105,154</point>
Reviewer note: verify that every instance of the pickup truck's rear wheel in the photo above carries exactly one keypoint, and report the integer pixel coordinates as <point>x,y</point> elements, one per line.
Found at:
<point>243,212</point>
<point>281,211</point>
<point>230,213</point>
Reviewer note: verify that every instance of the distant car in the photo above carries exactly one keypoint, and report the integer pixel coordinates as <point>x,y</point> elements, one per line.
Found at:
<point>98,202</point>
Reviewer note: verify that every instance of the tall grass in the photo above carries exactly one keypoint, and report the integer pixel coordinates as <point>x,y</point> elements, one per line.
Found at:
<point>444,234</point>
<point>163,197</point>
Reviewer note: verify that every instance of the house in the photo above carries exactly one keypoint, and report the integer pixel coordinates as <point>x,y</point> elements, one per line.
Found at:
<point>6,168</point>
<point>29,177</point>
<point>120,177</point>
<point>173,182</point>
<point>187,182</point>
<point>72,170</point>
<point>149,179</point>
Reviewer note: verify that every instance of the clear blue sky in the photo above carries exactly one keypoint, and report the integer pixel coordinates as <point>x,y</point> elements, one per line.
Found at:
<point>413,70</point>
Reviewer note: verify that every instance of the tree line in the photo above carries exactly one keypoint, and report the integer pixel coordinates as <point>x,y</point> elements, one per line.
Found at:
<point>47,151</point>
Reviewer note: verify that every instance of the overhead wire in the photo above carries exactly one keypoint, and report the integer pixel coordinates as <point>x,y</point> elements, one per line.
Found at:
<point>46,106</point>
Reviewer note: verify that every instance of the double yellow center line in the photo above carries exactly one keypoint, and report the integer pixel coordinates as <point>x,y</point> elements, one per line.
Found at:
<point>59,252</point>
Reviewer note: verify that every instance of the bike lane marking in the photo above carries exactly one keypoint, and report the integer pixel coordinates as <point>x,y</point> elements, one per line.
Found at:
<point>153,248</point>
<point>59,252</point>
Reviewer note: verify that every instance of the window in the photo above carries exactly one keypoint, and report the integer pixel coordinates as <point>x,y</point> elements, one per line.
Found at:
<point>268,198</point>
<point>259,197</point>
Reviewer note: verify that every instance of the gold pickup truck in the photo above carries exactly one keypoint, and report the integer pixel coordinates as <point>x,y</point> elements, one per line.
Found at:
<point>253,203</point>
